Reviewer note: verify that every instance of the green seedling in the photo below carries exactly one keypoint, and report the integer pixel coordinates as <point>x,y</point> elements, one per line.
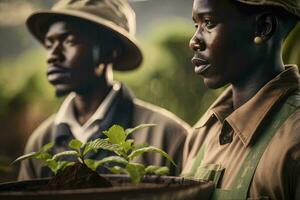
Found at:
<point>48,159</point>
<point>117,141</point>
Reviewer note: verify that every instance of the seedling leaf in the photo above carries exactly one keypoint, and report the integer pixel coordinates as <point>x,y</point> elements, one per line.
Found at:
<point>95,164</point>
<point>140,151</point>
<point>75,145</point>
<point>57,166</point>
<point>63,164</point>
<point>47,147</point>
<point>65,153</point>
<point>115,159</point>
<point>91,164</point>
<point>159,171</point>
<point>116,134</point>
<point>26,156</point>
<point>52,164</point>
<point>151,169</point>
<point>162,171</point>
<point>131,130</point>
<point>101,144</point>
<point>117,170</point>
<point>136,172</point>
<point>127,145</point>
<point>43,156</point>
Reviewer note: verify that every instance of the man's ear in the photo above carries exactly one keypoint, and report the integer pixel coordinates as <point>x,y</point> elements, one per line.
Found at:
<point>265,27</point>
<point>96,51</point>
<point>111,54</point>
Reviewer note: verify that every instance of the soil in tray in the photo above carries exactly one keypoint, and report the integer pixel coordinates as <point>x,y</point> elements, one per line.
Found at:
<point>77,176</point>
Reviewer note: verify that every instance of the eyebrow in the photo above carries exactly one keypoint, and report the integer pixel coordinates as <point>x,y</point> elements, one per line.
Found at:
<point>200,15</point>
<point>59,35</point>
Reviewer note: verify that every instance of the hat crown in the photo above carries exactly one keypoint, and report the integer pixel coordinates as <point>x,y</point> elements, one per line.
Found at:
<point>291,6</point>
<point>118,12</point>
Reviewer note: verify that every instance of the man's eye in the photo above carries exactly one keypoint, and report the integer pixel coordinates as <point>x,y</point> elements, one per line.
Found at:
<point>70,42</point>
<point>48,44</point>
<point>209,24</point>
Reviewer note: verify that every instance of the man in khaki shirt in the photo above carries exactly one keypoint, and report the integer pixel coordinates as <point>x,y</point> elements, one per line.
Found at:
<point>248,142</point>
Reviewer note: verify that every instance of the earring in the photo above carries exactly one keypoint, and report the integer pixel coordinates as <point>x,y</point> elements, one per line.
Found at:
<point>99,70</point>
<point>258,40</point>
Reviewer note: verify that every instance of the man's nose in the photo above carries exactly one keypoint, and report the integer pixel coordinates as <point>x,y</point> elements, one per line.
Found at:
<point>55,54</point>
<point>197,44</point>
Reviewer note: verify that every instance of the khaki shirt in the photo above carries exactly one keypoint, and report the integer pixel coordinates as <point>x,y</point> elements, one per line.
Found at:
<point>228,134</point>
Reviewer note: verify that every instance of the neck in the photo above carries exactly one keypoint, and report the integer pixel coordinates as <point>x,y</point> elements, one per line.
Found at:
<point>248,86</point>
<point>85,105</point>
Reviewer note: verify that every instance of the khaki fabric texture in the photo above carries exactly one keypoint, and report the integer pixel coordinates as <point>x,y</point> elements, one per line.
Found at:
<point>278,172</point>
<point>291,6</point>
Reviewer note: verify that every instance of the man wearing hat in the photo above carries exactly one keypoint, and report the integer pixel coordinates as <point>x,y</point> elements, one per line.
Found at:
<point>248,142</point>
<point>85,40</point>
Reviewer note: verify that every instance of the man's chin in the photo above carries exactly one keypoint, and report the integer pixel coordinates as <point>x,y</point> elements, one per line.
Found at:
<point>61,93</point>
<point>213,83</point>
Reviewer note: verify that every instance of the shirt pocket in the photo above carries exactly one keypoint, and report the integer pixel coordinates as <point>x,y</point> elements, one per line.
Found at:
<point>210,172</point>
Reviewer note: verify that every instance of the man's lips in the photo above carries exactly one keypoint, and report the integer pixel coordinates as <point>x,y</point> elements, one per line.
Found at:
<point>201,65</point>
<point>55,69</point>
<point>57,74</point>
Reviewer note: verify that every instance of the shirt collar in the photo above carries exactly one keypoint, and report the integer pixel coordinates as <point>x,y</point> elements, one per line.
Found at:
<point>214,112</point>
<point>105,105</point>
<point>246,119</point>
<point>66,113</point>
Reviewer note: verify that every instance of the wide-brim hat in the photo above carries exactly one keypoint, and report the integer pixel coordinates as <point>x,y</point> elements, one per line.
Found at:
<point>291,6</point>
<point>114,15</point>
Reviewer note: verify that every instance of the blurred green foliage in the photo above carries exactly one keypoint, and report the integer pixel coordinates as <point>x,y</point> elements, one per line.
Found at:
<point>23,82</point>
<point>291,53</point>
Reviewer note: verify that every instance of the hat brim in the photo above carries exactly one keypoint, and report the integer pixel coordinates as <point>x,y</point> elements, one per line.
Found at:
<point>131,57</point>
